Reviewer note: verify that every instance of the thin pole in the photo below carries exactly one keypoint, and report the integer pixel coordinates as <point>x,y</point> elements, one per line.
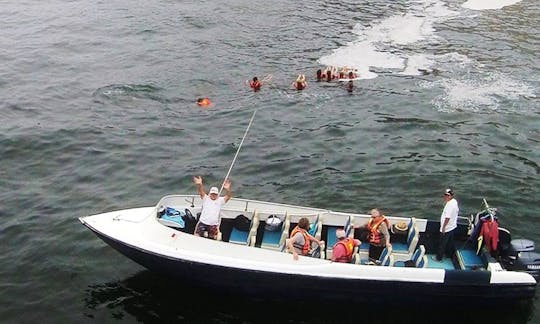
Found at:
<point>238,151</point>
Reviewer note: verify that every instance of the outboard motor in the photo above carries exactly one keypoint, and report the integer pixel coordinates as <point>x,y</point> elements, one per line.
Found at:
<point>522,257</point>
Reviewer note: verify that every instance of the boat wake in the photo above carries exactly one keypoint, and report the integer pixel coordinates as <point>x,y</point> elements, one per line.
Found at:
<point>409,44</point>
<point>488,4</point>
<point>483,93</point>
<point>389,44</point>
<point>128,92</point>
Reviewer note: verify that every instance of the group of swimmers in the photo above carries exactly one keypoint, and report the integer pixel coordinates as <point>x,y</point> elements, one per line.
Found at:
<point>328,74</point>
<point>331,73</point>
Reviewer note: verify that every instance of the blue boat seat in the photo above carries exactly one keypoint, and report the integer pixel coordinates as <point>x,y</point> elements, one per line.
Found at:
<point>468,260</point>
<point>388,262</point>
<point>316,230</point>
<point>246,237</point>
<point>411,225</point>
<point>275,240</point>
<point>423,262</point>
<point>364,247</point>
<point>385,254</point>
<point>408,247</point>
<point>416,257</point>
<point>316,227</point>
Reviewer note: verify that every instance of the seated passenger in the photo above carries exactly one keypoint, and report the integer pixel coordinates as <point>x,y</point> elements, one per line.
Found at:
<point>300,240</point>
<point>378,234</point>
<point>344,247</point>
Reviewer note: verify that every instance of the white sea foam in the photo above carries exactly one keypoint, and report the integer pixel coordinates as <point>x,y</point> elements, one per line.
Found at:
<point>479,92</point>
<point>400,44</point>
<point>488,4</point>
<point>382,45</point>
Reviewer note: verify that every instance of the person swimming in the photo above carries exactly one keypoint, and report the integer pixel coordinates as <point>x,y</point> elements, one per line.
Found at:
<point>203,102</point>
<point>343,72</point>
<point>255,84</point>
<point>319,75</point>
<point>300,83</point>
<point>350,86</point>
<point>330,73</point>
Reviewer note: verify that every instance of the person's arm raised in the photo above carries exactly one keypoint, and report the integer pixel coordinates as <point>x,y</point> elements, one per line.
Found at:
<point>199,183</point>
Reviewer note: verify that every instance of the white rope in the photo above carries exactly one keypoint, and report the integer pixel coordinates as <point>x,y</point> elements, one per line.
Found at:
<point>237,151</point>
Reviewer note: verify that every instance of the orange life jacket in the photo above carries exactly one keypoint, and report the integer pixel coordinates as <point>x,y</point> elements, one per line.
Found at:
<point>307,240</point>
<point>373,227</point>
<point>204,102</point>
<point>256,85</point>
<point>348,244</point>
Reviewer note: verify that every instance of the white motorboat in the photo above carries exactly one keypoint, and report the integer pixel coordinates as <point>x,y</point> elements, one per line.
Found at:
<point>250,260</point>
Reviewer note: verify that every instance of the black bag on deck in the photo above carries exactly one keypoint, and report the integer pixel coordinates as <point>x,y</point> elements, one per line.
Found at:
<point>189,218</point>
<point>410,264</point>
<point>242,223</point>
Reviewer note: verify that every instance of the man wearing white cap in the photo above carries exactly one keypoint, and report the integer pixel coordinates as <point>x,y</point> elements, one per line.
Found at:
<point>211,206</point>
<point>448,225</point>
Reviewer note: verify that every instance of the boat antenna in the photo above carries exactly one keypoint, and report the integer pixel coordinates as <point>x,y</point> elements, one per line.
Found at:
<point>238,151</point>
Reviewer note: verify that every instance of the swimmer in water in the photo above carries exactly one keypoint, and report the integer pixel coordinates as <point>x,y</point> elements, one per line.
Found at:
<point>343,72</point>
<point>319,75</point>
<point>330,74</point>
<point>300,83</point>
<point>203,102</point>
<point>255,84</point>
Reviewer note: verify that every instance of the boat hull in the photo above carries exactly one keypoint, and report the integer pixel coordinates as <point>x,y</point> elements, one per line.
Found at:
<point>460,287</point>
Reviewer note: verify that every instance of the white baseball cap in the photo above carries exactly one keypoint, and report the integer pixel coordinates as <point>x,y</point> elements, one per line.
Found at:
<point>214,190</point>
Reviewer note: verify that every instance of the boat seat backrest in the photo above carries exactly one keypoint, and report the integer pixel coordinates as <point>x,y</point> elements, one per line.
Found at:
<point>385,254</point>
<point>412,224</point>
<point>388,262</point>
<point>418,255</point>
<point>410,235</point>
<point>316,227</point>
<point>285,228</point>
<point>412,240</point>
<point>348,226</point>
<point>422,262</point>
<point>252,236</point>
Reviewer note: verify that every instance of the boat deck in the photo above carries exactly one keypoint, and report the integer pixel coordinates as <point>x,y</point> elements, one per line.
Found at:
<point>418,243</point>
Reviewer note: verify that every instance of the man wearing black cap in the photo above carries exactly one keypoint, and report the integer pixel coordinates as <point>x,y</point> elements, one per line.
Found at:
<point>448,225</point>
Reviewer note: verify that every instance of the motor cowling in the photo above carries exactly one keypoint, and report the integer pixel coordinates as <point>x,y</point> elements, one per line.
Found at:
<point>522,257</point>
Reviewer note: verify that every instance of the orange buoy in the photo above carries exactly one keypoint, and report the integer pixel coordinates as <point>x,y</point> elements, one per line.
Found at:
<point>204,102</point>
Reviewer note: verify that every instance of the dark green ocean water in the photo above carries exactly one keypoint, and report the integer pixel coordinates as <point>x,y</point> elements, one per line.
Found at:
<point>97,113</point>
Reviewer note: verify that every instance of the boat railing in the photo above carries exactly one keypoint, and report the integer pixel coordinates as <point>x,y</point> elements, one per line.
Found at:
<point>238,203</point>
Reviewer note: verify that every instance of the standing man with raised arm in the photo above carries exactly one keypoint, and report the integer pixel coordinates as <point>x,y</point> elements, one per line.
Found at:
<point>448,225</point>
<point>211,207</point>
